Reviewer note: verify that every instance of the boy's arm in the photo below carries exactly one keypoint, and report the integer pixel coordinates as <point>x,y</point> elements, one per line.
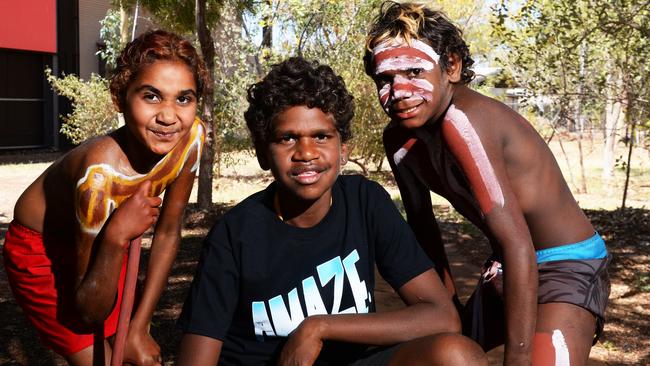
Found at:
<point>483,162</point>
<point>99,256</point>
<point>166,239</point>
<point>429,311</point>
<point>419,212</point>
<point>198,350</point>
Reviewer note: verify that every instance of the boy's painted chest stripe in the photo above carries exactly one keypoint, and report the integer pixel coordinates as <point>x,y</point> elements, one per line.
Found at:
<point>400,154</point>
<point>468,149</point>
<point>102,188</point>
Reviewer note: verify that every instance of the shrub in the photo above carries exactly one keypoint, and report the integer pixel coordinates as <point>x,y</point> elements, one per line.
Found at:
<point>93,111</point>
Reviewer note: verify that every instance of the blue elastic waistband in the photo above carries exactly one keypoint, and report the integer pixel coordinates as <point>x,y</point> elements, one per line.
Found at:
<point>592,248</point>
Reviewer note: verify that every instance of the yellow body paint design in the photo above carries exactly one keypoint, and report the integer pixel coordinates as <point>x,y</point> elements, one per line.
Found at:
<point>102,189</point>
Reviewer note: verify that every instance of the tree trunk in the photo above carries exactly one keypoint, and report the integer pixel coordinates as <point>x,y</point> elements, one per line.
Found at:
<point>628,165</point>
<point>124,24</point>
<point>632,124</point>
<point>204,194</point>
<point>579,120</point>
<point>613,113</point>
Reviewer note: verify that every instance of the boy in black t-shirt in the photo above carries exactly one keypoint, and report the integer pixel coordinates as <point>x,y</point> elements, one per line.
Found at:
<point>287,276</point>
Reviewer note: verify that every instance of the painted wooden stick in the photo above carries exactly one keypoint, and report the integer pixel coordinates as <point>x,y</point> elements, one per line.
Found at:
<point>127,302</point>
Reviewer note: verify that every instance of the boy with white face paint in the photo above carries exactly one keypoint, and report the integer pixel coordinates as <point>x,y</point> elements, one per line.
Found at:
<point>494,168</point>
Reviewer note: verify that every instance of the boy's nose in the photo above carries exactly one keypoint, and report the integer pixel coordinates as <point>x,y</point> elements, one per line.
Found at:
<point>305,150</point>
<point>401,88</point>
<point>166,115</point>
<point>402,93</point>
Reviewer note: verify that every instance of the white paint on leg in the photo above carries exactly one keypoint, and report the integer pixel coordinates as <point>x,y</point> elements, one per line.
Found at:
<point>561,349</point>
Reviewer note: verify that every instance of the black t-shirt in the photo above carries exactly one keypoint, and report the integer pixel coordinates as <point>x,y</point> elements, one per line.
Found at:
<point>258,277</point>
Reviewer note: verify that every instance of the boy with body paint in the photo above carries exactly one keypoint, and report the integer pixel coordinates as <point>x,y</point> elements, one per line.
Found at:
<point>287,276</point>
<point>65,251</point>
<point>496,171</point>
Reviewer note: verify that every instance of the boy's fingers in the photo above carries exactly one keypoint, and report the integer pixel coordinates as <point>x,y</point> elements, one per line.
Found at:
<point>156,201</point>
<point>144,188</point>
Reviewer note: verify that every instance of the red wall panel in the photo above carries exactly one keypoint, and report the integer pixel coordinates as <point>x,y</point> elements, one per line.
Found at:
<point>28,25</point>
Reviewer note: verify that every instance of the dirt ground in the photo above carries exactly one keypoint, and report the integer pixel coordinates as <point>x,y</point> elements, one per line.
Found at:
<point>625,340</point>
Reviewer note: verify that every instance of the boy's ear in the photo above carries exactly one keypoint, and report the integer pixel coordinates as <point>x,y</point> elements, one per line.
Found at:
<point>344,154</point>
<point>454,67</point>
<point>262,158</point>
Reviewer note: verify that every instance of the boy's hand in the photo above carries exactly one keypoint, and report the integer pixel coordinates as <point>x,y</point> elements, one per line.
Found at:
<point>303,346</point>
<point>135,215</point>
<point>141,349</point>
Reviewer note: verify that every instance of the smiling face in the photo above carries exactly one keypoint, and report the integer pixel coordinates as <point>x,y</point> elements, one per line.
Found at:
<point>412,87</point>
<point>160,105</point>
<point>305,155</point>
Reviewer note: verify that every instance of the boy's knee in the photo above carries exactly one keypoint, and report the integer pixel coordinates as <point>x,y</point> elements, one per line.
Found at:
<point>451,349</point>
<point>455,349</point>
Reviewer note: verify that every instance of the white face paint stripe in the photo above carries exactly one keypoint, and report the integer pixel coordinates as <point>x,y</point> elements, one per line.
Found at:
<point>460,121</point>
<point>561,349</point>
<point>403,63</point>
<point>399,42</point>
<point>384,90</point>
<point>422,84</point>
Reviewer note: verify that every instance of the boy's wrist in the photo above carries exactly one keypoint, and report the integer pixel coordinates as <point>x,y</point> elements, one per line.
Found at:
<point>315,326</point>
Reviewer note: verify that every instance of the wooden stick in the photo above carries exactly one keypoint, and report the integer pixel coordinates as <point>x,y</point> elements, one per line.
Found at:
<point>127,302</point>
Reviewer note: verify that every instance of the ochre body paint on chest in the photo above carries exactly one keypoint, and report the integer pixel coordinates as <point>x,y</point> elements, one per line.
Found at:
<point>102,188</point>
<point>466,145</point>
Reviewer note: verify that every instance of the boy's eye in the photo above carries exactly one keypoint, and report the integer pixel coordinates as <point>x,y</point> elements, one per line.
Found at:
<point>151,97</point>
<point>415,71</point>
<point>322,137</point>
<point>286,139</point>
<point>184,99</point>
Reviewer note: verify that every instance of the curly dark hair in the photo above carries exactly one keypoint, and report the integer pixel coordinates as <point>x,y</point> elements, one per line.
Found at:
<point>295,82</point>
<point>148,48</point>
<point>411,20</point>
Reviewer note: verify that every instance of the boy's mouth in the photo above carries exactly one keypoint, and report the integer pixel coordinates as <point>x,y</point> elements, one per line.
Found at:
<point>407,111</point>
<point>307,175</point>
<point>164,135</point>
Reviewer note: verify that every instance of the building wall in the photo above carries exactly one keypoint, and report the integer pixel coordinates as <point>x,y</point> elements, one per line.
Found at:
<point>90,13</point>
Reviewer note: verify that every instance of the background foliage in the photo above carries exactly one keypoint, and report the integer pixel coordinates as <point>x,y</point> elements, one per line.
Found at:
<point>578,66</point>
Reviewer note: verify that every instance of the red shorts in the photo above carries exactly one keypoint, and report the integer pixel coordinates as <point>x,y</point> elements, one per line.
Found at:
<point>37,291</point>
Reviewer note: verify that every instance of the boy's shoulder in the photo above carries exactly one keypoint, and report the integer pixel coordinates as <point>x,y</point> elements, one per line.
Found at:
<point>484,112</point>
<point>357,187</point>
<point>98,150</point>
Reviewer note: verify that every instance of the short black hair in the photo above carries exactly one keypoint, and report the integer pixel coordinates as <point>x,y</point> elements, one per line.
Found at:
<point>412,20</point>
<point>296,82</point>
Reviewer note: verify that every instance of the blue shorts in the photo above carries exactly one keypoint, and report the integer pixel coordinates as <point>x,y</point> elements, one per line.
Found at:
<point>592,248</point>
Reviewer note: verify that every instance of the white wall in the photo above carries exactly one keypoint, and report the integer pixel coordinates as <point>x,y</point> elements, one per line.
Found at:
<point>90,13</point>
